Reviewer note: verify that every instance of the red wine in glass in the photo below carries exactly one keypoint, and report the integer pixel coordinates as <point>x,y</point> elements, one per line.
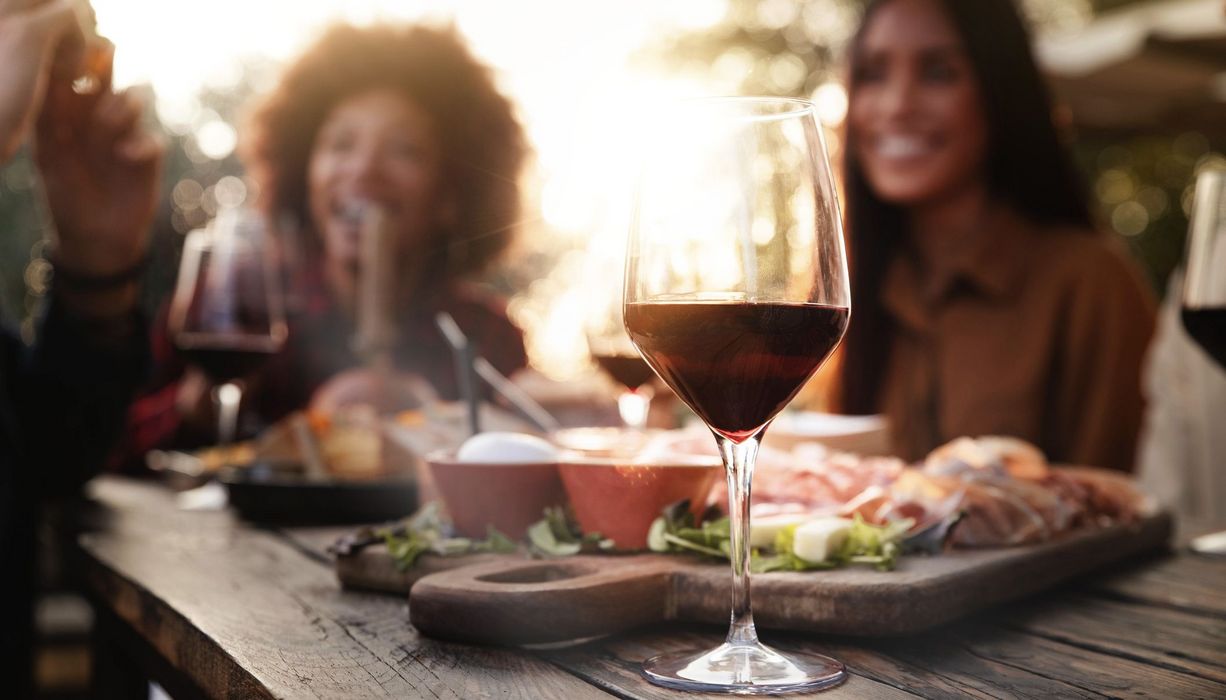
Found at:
<point>1203,299</point>
<point>225,359</point>
<point>226,314</point>
<point>737,364</point>
<point>227,329</point>
<point>617,357</point>
<point>1207,326</point>
<point>631,371</point>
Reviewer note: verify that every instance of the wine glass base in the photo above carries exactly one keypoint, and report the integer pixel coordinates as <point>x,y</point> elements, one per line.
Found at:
<point>744,670</point>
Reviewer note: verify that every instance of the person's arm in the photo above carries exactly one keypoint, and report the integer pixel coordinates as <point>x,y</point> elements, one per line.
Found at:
<point>100,171</point>
<point>39,42</point>
<point>169,409</point>
<point>100,174</point>
<point>70,392</point>
<point>1098,404</point>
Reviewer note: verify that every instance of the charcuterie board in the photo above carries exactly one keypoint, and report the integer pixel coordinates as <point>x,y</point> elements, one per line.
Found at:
<point>511,599</point>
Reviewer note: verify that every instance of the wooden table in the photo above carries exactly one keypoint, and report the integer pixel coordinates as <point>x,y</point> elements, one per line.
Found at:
<point>209,606</point>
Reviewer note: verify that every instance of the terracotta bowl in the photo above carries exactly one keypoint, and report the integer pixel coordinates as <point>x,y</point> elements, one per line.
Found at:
<point>509,496</point>
<point>619,498</point>
<point>603,442</point>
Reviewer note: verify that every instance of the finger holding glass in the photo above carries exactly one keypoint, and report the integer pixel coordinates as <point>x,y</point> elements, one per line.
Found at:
<point>736,291</point>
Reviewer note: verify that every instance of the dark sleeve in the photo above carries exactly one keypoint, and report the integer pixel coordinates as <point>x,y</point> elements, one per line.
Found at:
<point>70,393</point>
<point>483,318</point>
<point>153,420</point>
<point>498,339</point>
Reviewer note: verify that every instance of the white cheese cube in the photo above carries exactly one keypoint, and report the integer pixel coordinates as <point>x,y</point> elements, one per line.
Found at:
<point>817,540</point>
<point>763,529</point>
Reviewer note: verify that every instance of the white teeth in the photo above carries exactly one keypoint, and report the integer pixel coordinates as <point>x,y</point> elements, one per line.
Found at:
<point>353,211</point>
<point>901,146</point>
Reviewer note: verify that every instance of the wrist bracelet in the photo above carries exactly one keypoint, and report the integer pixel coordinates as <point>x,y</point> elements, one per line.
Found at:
<point>70,279</point>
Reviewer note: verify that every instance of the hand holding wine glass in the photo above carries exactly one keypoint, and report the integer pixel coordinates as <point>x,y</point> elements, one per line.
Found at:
<point>736,291</point>
<point>1204,287</point>
<point>226,315</point>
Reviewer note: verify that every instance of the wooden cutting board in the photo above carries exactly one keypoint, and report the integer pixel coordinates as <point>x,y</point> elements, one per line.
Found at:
<point>511,599</point>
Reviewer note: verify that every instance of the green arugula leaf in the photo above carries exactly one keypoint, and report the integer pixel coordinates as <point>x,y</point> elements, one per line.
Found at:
<point>496,542</point>
<point>426,532</point>
<point>676,531</point>
<point>558,535</point>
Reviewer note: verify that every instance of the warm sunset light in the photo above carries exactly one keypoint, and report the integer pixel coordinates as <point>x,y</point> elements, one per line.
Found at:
<point>570,68</point>
<point>505,348</point>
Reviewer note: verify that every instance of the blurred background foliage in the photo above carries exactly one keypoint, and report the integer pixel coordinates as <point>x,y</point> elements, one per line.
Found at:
<point>1140,179</point>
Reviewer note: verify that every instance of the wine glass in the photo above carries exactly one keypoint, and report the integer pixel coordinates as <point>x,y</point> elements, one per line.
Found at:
<point>613,352</point>
<point>226,315</point>
<point>736,291</point>
<point>1203,299</point>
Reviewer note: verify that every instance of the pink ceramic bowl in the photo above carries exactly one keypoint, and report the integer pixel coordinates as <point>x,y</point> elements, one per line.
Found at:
<point>619,498</point>
<point>509,496</point>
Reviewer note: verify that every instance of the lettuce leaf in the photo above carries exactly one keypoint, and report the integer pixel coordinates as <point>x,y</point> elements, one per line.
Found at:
<point>426,532</point>
<point>557,535</point>
<point>877,545</point>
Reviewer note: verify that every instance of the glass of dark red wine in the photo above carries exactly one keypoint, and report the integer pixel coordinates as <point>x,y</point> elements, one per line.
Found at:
<point>226,315</point>
<point>736,291</point>
<point>617,357</point>
<point>1204,284</point>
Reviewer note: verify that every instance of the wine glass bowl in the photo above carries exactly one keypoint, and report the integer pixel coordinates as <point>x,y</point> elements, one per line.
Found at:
<point>226,315</point>
<point>618,358</point>
<point>736,363</point>
<point>736,291</point>
<point>1203,297</point>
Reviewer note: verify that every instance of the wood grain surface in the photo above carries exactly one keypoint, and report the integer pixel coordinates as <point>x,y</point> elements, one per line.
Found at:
<point>213,607</point>
<point>244,614</point>
<point>614,664</point>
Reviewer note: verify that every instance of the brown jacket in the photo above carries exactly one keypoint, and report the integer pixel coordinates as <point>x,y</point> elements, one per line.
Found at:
<point>1032,332</point>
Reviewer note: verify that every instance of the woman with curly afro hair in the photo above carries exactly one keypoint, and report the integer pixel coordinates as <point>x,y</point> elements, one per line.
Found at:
<point>404,121</point>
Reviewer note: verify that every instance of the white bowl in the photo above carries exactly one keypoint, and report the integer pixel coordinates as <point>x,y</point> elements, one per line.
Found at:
<point>865,435</point>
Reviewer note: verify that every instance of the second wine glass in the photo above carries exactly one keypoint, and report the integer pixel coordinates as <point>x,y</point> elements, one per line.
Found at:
<point>1203,299</point>
<point>736,291</point>
<point>617,357</point>
<point>226,315</point>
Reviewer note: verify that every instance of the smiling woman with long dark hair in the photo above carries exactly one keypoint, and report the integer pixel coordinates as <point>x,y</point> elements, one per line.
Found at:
<point>985,301</point>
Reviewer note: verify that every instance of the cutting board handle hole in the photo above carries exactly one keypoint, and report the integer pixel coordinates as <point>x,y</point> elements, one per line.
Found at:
<point>541,573</point>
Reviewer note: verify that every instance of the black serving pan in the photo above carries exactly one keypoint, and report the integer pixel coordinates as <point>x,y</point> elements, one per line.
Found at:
<point>271,494</point>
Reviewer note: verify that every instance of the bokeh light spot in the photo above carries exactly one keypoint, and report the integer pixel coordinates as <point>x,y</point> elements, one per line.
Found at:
<point>216,139</point>
<point>1130,219</point>
<point>831,101</point>
<point>1114,186</point>
<point>230,191</point>
<point>186,194</point>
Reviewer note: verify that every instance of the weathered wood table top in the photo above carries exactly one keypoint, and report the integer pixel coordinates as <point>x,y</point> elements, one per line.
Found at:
<point>210,606</point>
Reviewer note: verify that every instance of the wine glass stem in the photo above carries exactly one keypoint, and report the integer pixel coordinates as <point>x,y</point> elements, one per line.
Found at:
<point>227,396</point>
<point>632,406</point>
<point>739,459</point>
